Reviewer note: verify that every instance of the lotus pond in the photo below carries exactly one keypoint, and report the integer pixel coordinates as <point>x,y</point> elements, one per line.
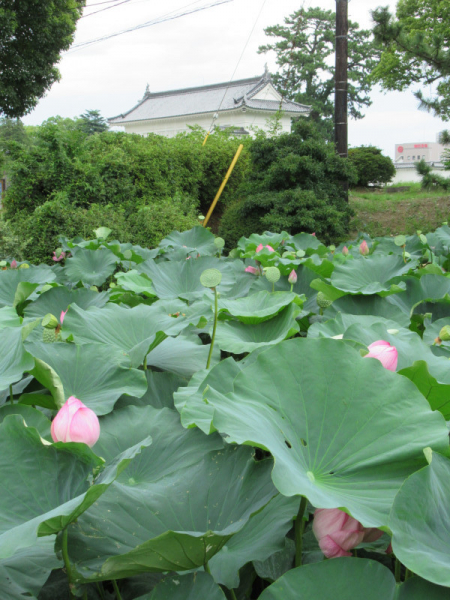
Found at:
<point>250,445</point>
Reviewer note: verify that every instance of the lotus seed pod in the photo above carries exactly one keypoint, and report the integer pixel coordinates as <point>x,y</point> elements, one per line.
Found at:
<point>24,266</point>
<point>48,336</point>
<point>323,301</point>
<point>219,243</point>
<point>444,333</point>
<point>272,274</point>
<point>50,321</point>
<point>211,278</point>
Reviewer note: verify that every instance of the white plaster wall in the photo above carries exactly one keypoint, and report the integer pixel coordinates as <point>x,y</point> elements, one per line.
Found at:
<point>410,174</point>
<point>247,119</point>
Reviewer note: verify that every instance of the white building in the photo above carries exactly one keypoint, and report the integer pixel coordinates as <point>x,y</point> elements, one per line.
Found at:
<point>244,105</point>
<point>407,154</point>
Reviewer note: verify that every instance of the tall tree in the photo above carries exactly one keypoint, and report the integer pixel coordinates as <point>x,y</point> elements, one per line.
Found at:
<point>32,35</point>
<point>305,47</point>
<point>416,50</point>
<point>92,122</point>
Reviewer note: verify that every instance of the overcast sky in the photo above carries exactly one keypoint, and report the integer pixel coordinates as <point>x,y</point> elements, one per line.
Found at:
<point>200,48</point>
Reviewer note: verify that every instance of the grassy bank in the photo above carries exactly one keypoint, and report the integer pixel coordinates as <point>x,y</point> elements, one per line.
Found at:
<point>381,213</point>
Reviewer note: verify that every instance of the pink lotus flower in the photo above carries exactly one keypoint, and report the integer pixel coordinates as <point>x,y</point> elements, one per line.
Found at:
<point>314,234</point>
<point>364,248</point>
<point>75,422</point>
<point>292,277</point>
<point>13,264</point>
<point>253,270</point>
<point>385,353</point>
<point>63,314</point>
<point>59,257</point>
<point>260,247</point>
<point>336,531</point>
<point>345,251</point>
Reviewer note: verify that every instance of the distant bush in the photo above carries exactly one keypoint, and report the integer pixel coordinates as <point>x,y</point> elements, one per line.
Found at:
<point>371,165</point>
<point>66,182</point>
<point>295,184</point>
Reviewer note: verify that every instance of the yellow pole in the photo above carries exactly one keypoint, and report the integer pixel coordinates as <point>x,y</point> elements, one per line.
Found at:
<point>224,182</point>
<point>206,137</point>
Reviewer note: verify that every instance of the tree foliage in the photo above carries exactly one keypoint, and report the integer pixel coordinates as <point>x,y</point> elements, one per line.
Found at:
<point>32,35</point>
<point>371,165</point>
<point>294,185</point>
<point>305,47</point>
<point>92,122</point>
<point>416,51</point>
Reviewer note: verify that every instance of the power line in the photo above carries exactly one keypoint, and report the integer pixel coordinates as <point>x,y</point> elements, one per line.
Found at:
<point>103,9</point>
<point>99,3</point>
<point>148,24</point>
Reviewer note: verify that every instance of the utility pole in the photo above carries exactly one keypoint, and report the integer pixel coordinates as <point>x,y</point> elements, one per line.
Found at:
<point>340,100</point>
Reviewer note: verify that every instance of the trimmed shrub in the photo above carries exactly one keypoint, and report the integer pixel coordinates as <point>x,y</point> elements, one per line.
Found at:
<point>371,165</point>
<point>295,184</point>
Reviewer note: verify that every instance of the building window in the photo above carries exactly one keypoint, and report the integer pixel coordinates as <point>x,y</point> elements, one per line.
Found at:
<point>409,158</point>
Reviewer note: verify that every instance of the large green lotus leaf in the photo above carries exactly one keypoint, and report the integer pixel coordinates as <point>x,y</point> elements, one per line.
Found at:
<point>59,298</point>
<point>173,279</point>
<point>139,283</point>
<point>336,439</point>
<point>343,321</point>
<point>410,347</point>
<point>195,586</point>
<point>32,417</point>
<point>90,266</point>
<point>9,317</point>
<point>14,359</point>
<point>348,579</point>
<point>263,535</point>
<point>370,305</point>
<point>437,394</point>
<point>175,523</point>
<point>429,288</point>
<point>420,521</point>
<point>197,314</point>
<point>236,337</point>
<point>183,355</point>
<point>131,331</point>
<point>370,275</point>
<point>188,399</point>
<point>173,447</point>
<point>38,498</point>
<point>198,238</point>
<point>160,390</point>
<point>258,307</point>
<point>23,574</point>
<point>10,280</point>
<point>94,373</point>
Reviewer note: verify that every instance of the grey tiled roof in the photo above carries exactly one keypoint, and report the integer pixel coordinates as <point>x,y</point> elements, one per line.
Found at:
<point>205,99</point>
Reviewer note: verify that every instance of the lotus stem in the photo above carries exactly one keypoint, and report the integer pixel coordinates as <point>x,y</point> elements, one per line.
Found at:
<point>65,554</point>
<point>116,589</point>
<point>214,329</point>
<point>233,595</point>
<point>11,395</point>
<point>100,591</point>
<point>298,528</point>
<point>397,570</point>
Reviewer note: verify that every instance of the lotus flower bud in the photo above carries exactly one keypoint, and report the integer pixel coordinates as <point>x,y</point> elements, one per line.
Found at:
<point>259,248</point>
<point>13,264</point>
<point>364,248</point>
<point>253,270</point>
<point>444,333</point>
<point>345,251</point>
<point>75,422</point>
<point>58,255</point>
<point>336,531</point>
<point>385,353</point>
<point>314,234</point>
<point>270,248</point>
<point>63,314</point>
<point>292,277</point>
